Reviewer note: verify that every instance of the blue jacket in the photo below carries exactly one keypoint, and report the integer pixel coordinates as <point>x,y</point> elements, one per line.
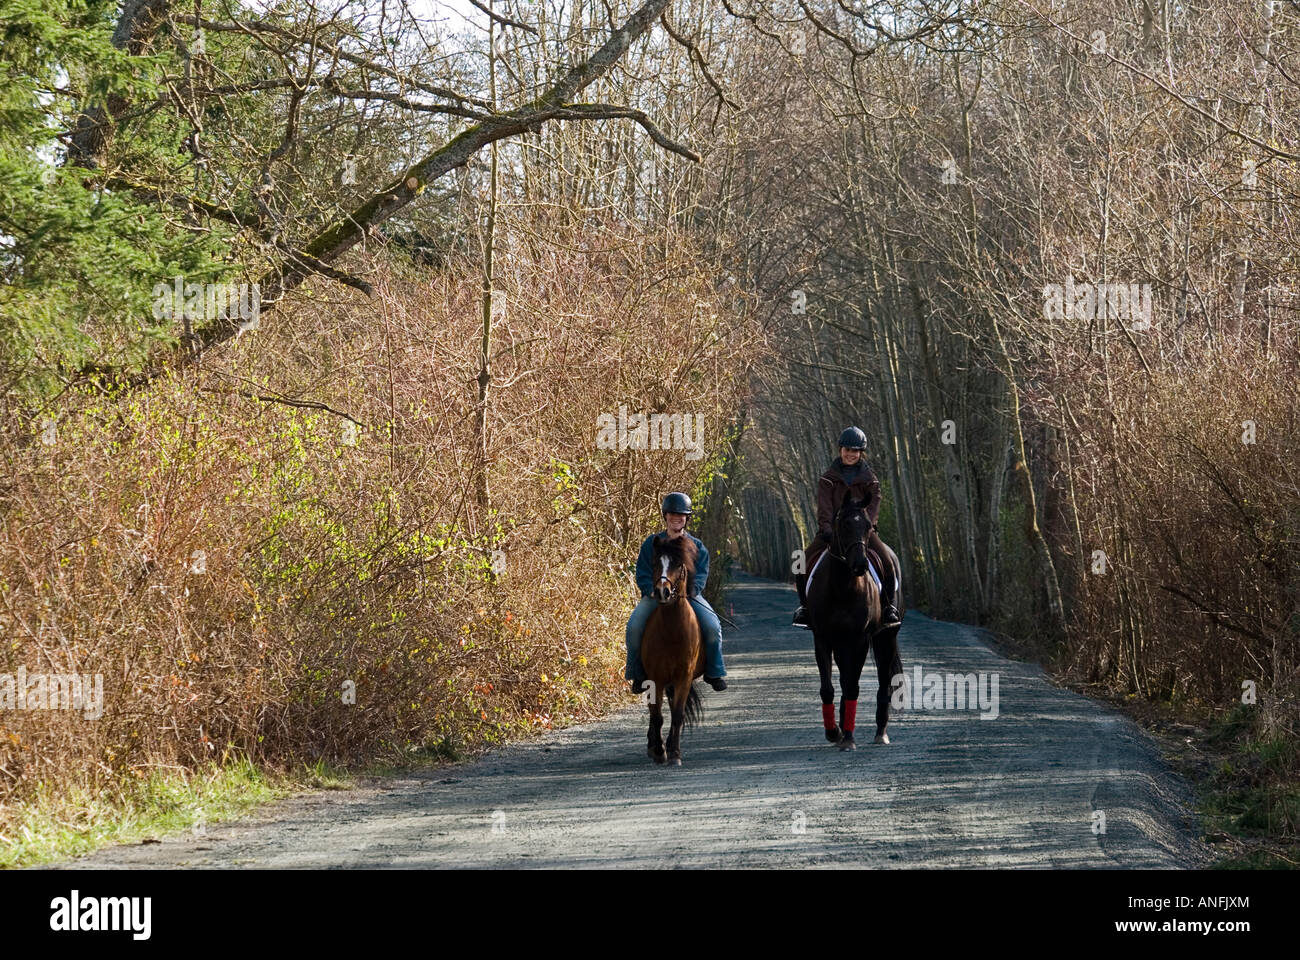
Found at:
<point>645,576</point>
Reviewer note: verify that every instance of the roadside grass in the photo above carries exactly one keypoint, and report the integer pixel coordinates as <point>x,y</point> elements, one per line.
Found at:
<point>1252,796</point>
<point>52,827</point>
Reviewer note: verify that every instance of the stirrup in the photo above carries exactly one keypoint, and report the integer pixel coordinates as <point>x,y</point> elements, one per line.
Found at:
<point>801,618</point>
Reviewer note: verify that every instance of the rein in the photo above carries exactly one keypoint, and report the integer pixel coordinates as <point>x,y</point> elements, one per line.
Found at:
<point>673,595</point>
<point>834,545</point>
<point>842,559</point>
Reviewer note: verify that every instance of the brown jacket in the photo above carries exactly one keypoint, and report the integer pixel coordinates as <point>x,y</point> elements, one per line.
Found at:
<point>831,491</point>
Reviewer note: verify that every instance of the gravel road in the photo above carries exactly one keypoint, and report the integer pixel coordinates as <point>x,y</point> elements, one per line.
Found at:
<point>760,787</point>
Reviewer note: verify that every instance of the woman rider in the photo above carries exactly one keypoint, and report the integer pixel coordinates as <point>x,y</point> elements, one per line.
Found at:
<point>849,474</point>
<point>676,510</point>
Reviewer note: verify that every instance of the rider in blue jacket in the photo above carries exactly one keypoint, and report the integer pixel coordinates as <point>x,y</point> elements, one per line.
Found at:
<point>676,509</point>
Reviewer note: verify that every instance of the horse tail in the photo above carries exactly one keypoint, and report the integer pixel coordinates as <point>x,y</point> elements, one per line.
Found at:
<point>694,712</point>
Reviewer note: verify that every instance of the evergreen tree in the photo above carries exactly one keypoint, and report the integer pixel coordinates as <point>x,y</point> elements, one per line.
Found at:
<point>79,258</point>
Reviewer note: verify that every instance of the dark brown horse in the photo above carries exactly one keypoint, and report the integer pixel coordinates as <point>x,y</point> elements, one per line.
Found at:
<point>671,651</point>
<point>844,613</point>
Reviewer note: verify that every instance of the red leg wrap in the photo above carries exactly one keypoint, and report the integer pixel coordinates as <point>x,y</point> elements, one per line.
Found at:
<point>850,714</point>
<point>828,716</point>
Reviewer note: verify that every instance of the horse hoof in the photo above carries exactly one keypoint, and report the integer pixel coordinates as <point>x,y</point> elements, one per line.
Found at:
<point>833,734</point>
<point>658,757</point>
<point>882,738</point>
<point>848,743</point>
<point>675,761</point>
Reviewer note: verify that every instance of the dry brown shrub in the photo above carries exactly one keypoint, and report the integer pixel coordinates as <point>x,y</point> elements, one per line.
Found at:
<point>327,562</point>
<point>1201,528</point>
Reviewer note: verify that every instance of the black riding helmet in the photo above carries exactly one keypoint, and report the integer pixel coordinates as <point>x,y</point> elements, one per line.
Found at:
<point>853,439</point>
<point>676,503</point>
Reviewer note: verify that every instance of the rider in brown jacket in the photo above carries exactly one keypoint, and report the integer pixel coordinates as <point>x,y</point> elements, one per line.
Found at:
<point>848,475</point>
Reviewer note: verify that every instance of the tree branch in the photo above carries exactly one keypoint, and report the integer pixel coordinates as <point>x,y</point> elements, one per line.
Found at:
<point>504,20</point>
<point>342,235</point>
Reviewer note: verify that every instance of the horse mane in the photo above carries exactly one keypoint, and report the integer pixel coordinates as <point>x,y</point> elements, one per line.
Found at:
<point>682,550</point>
<point>849,504</point>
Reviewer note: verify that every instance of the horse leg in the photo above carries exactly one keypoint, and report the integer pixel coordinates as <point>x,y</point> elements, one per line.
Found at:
<point>823,653</point>
<point>884,646</point>
<point>655,745</point>
<point>850,674</point>
<point>678,694</point>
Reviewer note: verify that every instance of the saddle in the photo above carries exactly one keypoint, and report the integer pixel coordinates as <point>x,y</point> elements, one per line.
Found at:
<point>874,566</point>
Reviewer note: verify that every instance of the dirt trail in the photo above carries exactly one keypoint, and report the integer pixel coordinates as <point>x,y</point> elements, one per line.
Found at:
<point>760,786</point>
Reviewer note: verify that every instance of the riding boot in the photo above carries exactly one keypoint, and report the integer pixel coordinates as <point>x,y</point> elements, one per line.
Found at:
<point>888,612</point>
<point>801,615</point>
<point>889,617</point>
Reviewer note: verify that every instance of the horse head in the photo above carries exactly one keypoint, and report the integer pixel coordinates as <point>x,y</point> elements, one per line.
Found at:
<point>674,563</point>
<point>852,527</point>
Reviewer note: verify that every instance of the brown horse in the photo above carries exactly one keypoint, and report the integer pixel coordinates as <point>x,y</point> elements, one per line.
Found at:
<point>671,651</point>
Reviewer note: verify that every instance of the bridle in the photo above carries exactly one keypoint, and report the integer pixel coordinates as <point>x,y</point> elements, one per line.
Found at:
<point>834,548</point>
<point>673,593</point>
<point>672,590</point>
